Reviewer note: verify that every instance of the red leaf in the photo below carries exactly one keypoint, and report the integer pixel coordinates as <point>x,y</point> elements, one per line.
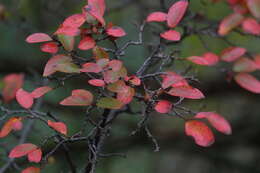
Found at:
<point>96,8</point>
<point>171,35</point>
<point>115,31</point>
<point>176,13</point>
<point>173,79</point>
<point>232,53</point>
<point>35,156</point>
<point>38,92</point>
<point>75,21</point>
<point>217,121</point>
<point>134,80</point>
<point>67,30</point>
<point>12,124</point>
<point>38,37</point>
<point>244,65</point>
<point>97,82</point>
<point>229,23</point>
<point>200,132</point>
<point>257,61</point>
<point>248,82</point>
<point>51,47</point>
<point>22,150</point>
<point>157,17</point>
<point>24,98</point>
<point>58,126</point>
<point>87,43</point>
<point>91,68</point>
<point>116,65</point>
<point>12,83</point>
<point>163,106</point>
<point>31,170</point>
<point>186,92</point>
<point>208,59</point>
<point>78,97</point>
<point>251,26</point>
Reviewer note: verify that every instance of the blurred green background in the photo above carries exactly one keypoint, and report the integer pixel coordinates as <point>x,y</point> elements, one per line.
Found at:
<point>238,153</point>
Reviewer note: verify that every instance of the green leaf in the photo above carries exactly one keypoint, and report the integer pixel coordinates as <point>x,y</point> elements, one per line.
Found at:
<point>67,42</point>
<point>109,103</point>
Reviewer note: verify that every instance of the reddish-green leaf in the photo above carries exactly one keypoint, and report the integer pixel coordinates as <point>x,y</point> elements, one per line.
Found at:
<point>176,13</point>
<point>90,67</point>
<point>186,92</point>
<point>22,150</point>
<point>58,126</point>
<point>254,7</point>
<point>38,38</point>
<point>12,83</point>
<point>35,155</point>
<point>126,95</point>
<point>61,63</point>
<point>244,65</point>
<point>229,23</point>
<point>171,35</point>
<point>99,53</point>
<point>51,47</point>
<point>232,53</point>
<point>24,98</point>
<point>87,43</point>
<point>13,123</point>
<point>117,86</point>
<point>97,82</point>
<point>31,170</point>
<point>78,97</point>
<point>67,31</point>
<point>38,92</point>
<point>115,31</point>
<point>163,106</point>
<point>217,121</point>
<point>67,41</point>
<point>250,25</point>
<point>96,8</point>
<point>109,103</point>
<point>248,82</point>
<point>115,65</point>
<point>157,17</point>
<point>200,132</point>
<point>208,59</point>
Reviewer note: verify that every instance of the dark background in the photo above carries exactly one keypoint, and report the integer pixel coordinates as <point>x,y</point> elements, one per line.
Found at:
<point>238,153</point>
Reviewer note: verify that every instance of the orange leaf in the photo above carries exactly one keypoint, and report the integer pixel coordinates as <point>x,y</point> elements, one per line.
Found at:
<point>78,97</point>
<point>58,126</point>
<point>200,132</point>
<point>12,124</point>
<point>35,156</point>
<point>24,98</point>
<point>22,150</point>
<point>31,170</point>
<point>12,83</point>
<point>217,121</point>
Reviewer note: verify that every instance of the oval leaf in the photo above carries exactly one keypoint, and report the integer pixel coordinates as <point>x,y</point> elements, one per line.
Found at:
<point>87,43</point>
<point>13,123</point>
<point>171,35</point>
<point>96,82</point>
<point>229,23</point>
<point>24,98</point>
<point>58,126</point>
<point>200,132</point>
<point>157,17</point>
<point>115,31</point>
<point>35,156</point>
<point>78,97</point>
<point>248,82</point>
<point>176,13</point>
<point>22,150</point>
<point>232,53</point>
<point>51,47</point>
<point>38,92</point>
<point>163,106</point>
<point>109,103</point>
<point>38,38</point>
<point>186,92</point>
